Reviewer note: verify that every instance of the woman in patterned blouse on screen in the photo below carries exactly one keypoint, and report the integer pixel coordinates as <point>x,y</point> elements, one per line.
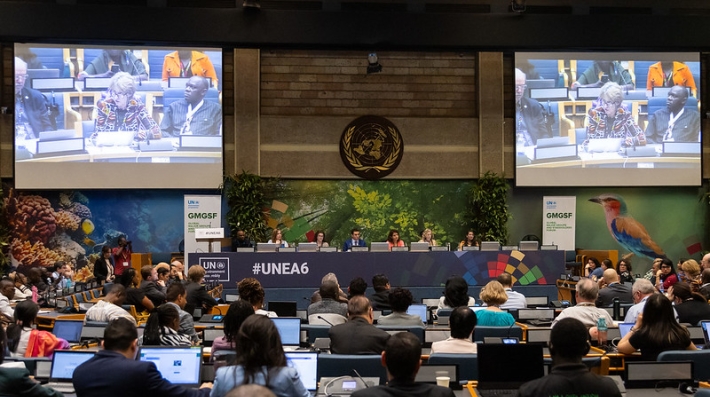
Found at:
<point>120,110</point>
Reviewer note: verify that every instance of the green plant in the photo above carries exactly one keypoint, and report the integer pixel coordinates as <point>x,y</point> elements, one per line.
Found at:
<point>488,208</point>
<point>4,237</point>
<point>248,196</point>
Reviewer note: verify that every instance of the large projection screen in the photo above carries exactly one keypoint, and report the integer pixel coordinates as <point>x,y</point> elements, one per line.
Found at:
<point>117,117</point>
<point>607,119</point>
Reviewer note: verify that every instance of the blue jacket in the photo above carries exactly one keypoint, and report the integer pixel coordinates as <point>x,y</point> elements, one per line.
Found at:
<point>284,382</point>
<point>349,244</point>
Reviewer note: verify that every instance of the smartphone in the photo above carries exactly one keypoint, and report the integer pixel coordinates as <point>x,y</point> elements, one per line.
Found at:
<point>605,78</point>
<point>115,68</point>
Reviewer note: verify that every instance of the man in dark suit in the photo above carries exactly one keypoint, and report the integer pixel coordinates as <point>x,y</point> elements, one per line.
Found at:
<point>193,115</point>
<point>402,358</point>
<point>529,121</point>
<point>613,289</point>
<point>381,298</point>
<point>675,122</point>
<point>705,287</point>
<point>358,335</point>
<point>31,113</point>
<point>149,287</point>
<point>114,371</point>
<point>354,241</point>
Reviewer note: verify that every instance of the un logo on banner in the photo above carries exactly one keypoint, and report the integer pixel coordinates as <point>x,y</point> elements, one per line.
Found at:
<point>371,147</point>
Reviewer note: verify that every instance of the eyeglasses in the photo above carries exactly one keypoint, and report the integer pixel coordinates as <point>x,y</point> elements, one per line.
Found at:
<point>120,94</point>
<point>520,87</point>
<point>605,103</point>
<point>21,77</point>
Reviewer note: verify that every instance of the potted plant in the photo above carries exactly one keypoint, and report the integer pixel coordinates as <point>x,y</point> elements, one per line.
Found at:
<point>488,208</point>
<point>248,197</point>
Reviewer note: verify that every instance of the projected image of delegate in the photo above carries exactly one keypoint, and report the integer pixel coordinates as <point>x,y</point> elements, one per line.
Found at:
<point>155,107</point>
<point>607,119</point>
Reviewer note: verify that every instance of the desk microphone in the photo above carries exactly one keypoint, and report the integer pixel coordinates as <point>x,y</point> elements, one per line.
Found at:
<point>360,377</point>
<point>331,324</point>
<point>510,329</point>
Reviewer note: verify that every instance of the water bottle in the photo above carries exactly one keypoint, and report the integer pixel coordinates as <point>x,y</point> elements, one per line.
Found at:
<point>617,309</point>
<point>601,331</point>
<point>34,294</point>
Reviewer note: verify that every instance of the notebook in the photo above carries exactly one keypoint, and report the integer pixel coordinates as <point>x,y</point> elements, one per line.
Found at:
<point>64,362</point>
<point>418,309</point>
<point>179,365</point>
<point>306,363</point>
<point>283,309</point>
<point>114,138</point>
<point>507,366</point>
<point>69,330</point>
<point>289,330</point>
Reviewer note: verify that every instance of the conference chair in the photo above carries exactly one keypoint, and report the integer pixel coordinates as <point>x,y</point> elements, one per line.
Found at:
<point>597,365</point>
<point>482,332</point>
<point>367,365</point>
<point>416,330</point>
<point>700,358</point>
<point>315,331</point>
<point>326,319</point>
<point>467,364</point>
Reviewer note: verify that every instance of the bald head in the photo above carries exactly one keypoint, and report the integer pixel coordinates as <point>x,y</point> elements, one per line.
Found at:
<point>7,288</point>
<point>610,276</point>
<point>587,290</point>
<point>706,261</point>
<point>359,306</point>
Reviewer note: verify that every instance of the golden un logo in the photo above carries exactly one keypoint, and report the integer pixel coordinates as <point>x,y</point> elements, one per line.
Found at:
<point>371,147</point>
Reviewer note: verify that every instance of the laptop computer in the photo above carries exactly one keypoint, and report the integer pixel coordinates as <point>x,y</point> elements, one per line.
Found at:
<point>490,246</point>
<point>419,247</point>
<point>64,362</point>
<point>537,317</point>
<point>69,330</point>
<point>283,309</point>
<point>655,374</point>
<point>306,363</point>
<point>114,138</point>
<point>379,246</point>
<point>418,309</point>
<point>705,327</point>
<point>179,365</point>
<point>507,367</point>
<point>265,247</point>
<point>307,247</point>
<point>210,334</point>
<point>289,330</point>
<point>624,328</point>
<point>537,301</point>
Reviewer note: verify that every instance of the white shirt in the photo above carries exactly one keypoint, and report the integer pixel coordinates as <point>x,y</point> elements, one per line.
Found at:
<point>107,311</point>
<point>5,306</point>
<point>454,345</point>
<point>637,309</point>
<point>587,313</point>
<point>516,300</point>
<point>442,305</point>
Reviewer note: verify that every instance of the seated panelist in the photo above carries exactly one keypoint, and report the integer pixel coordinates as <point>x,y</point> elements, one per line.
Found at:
<point>186,63</point>
<point>192,115</point>
<point>111,62</point>
<point>608,119</point>
<point>529,119</point>
<point>669,74</point>
<point>674,122</point>
<point>602,72</point>
<point>31,114</point>
<point>120,110</point>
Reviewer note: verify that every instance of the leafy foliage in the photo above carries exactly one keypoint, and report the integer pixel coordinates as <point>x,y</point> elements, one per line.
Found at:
<point>248,196</point>
<point>4,237</point>
<point>488,208</point>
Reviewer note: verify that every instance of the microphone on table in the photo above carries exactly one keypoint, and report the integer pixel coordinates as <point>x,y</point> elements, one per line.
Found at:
<point>323,318</point>
<point>360,377</point>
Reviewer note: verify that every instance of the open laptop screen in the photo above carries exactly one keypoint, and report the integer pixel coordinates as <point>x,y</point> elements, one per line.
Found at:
<point>179,365</point>
<point>64,362</point>
<point>306,363</point>
<point>418,309</point>
<point>68,330</point>
<point>289,330</point>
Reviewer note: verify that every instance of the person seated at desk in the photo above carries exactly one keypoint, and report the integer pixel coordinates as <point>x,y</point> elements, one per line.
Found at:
<point>666,276</point>
<point>277,238</point>
<point>381,298</point>
<point>569,375</point>
<point>656,331</point>
<point>109,308</point>
<point>613,289</point>
<point>123,60</point>
<point>493,295</point>
<point>690,305</point>
<point>641,291</point>
<point>594,269</point>
<point>34,276</point>
<point>186,63</point>
<point>705,283</point>
<point>176,296</point>
<point>428,237</point>
<point>469,240</point>
<point>609,119</point>
<point>358,286</point>
<point>530,122</point>
<point>614,72</point>
<point>586,293</point>
<point>250,390</point>
<point>177,271</point>
<point>400,300</point>
<point>455,294</point>
<point>115,372</point>
<point>16,380</point>
<point>20,282</point>
<point>329,292</point>
<point>651,273</point>
<point>192,115</point>
<point>149,286</point>
<point>319,239</point>
<point>250,290</point>
<point>462,322</point>
<point>516,300</point>
<point>197,296</point>
<point>624,269</point>
<point>689,272</point>
<point>240,240</point>
<point>31,113</point>
<point>393,239</point>
<point>120,110</point>
<point>162,328</point>
<point>358,335</point>
<point>402,358</point>
<point>25,340</point>
<point>134,296</point>
<point>355,240</point>
<point>7,292</point>
<point>669,74</point>
<point>675,122</point>
<point>236,314</point>
<point>342,297</point>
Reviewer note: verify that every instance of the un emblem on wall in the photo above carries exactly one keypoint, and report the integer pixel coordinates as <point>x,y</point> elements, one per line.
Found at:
<point>371,147</point>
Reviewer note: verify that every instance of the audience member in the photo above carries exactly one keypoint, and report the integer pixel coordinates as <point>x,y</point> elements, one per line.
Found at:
<point>16,380</point>
<point>402,358</point>
<point>7,292</point>
<point>109,308</point>
<point>606,264</point>
<point>705,284</point>
<point>124,60</point>
<point>691,273</point>
<point>493,295</point>
<point>354,241</point>
<point>192,115</point>
<point>328,303</point>
<point>705,262</point>
<point>428,237</point>
<point>260,359</point>
<point>236,314</point>
<point>31,113</point>
<point>134,296</point>
<point>163,281</point>
<point>455,294</point>
<point>66,278</point>
<point>675,122</point>
<point>177,271</point>
<point>358,335</point>
<point>250,390</point>
<point>250,290</point>
<point>357,286</point>
<point>121,110</point>
<point>470,239</point>
<point>315,297</point>
<point>666,276</point>
<point>641,291</point>
<point>690,306</point>
<point>35,279</point>
<point>103,267</point>
<point>176,296</point>
<point>122,255</point>
<point>393,239</point>
<point>25,340</point>
<point>623,268</point>
<point>670,74</point>
<point>20,282</point>
<point>400,300</point>
<point>240,240</point>
<point>569,376</point>
<point>149,286</point>
<point>197,296</point>
<point>613,289</point>
<point>462,322</point>
<point>516,300</point>
<point>162,328</point>
<point>115,372</point>
<point>586,292</point>
<point>594,269</point>
<point>651,273</point>
<point>655,331</point>
<point>186,63</point>
<point>56,272</point>
<point>381,298</point>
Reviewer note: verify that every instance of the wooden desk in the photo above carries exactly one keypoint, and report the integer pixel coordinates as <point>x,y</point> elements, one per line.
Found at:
<point>565,289</point>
